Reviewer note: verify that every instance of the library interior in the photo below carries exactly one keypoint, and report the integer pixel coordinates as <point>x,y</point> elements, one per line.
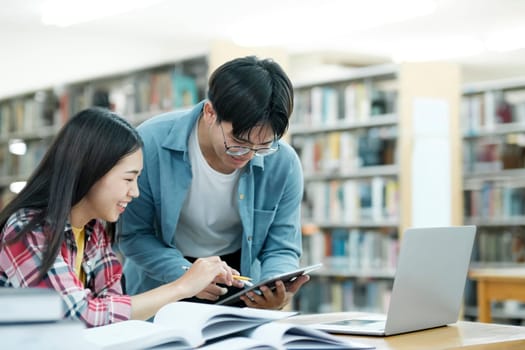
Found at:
<point>407,114</point>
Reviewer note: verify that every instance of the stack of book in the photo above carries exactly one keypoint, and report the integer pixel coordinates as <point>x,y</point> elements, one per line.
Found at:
<point>33,318</point>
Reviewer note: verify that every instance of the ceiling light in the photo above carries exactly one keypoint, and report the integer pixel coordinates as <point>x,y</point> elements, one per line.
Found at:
<point>63,13</point>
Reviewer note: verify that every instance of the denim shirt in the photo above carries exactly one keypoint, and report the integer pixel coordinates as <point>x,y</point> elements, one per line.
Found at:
<point>269,197</point>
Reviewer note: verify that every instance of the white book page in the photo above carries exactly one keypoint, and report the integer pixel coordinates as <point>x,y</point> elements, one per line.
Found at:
<point>242,343</point>
<point>302,337</point>
<point>213,321</point>
<point>135,334</point>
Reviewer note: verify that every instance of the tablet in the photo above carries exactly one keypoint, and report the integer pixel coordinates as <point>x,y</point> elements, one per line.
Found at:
<point>286,277</point>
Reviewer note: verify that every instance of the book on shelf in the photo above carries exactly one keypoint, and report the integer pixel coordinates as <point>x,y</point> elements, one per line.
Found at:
<point>352,251</point>
<point>313,247</point>
<point>282,335</point>
<point>185,92</point>
<point>352,201</point>
<point>30,305</point>
<point>356,293</point>
<point>160,91</point>
<point>357,103</point>
<point>183,325</point>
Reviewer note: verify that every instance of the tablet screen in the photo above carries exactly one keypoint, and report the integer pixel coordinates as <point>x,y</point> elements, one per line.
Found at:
<point>286,277</point>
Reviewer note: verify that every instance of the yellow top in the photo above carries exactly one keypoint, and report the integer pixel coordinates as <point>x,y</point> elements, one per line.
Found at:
<point>80,239</point>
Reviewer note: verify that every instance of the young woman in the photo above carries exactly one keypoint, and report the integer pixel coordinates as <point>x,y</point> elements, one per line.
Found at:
<point>57,232</point>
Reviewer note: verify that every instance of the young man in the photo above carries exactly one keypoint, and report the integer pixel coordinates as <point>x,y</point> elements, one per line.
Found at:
<point>217,180</point>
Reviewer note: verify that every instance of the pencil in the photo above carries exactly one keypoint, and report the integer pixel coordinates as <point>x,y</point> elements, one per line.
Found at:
<point>235,277</point>
<point>241,278</point>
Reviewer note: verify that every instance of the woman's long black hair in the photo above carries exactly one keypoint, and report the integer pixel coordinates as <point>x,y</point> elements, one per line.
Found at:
<point>84,150</point>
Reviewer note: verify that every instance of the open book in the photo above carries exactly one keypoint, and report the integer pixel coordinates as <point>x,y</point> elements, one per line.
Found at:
<point>280,336</point>
<point>183,325</point>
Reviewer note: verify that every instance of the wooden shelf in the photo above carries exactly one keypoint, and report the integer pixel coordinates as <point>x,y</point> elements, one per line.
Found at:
<point>496,222</point>
<point>364,172</point>
<point>356,74</point>
<point>359,224</point>
<point>497,130</point>
<point>42,133</point>
<point>357,273</point>
<point>373,122</point>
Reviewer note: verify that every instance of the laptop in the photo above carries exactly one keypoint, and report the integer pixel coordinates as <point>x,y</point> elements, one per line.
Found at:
<point>428,286</point>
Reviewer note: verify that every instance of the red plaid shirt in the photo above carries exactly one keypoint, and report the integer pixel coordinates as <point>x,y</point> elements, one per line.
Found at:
<point>98,302</point>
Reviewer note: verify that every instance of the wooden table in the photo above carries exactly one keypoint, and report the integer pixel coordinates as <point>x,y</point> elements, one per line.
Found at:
<point>497,284</point>
<point>460,335</point>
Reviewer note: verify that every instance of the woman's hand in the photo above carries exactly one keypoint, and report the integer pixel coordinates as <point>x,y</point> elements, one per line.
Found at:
<point>204,274</point>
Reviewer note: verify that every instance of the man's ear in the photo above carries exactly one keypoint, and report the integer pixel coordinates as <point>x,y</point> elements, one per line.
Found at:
<point>208,113</point>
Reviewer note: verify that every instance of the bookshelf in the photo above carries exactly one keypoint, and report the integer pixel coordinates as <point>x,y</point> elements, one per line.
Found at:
<point>493,124</point>
<point>28,122</point>
<point>359,137</point>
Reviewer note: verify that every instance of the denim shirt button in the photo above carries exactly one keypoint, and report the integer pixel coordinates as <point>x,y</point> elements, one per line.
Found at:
<point>241,196</point>
<point>249,238</point>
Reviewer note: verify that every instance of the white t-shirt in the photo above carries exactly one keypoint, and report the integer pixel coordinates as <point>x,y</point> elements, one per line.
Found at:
<point>209,222</point>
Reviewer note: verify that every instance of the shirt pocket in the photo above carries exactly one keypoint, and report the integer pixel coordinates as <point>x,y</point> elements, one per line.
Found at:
<point>262,220</point>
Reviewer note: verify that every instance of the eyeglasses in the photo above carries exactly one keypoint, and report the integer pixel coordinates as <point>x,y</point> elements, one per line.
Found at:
<point>242,150</point>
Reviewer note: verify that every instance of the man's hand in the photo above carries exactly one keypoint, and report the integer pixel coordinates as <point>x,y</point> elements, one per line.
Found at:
<point>276,298</point>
